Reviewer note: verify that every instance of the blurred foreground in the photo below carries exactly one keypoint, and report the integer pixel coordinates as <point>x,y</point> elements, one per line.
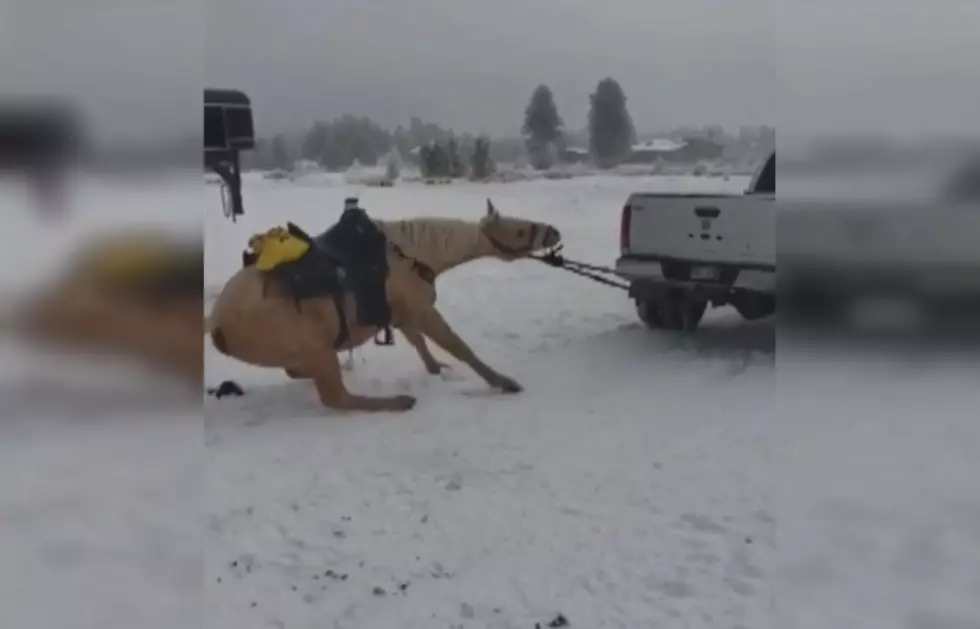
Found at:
<point>101,437</point>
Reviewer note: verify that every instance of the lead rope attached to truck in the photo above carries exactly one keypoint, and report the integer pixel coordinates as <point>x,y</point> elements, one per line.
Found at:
<point>553,257</point>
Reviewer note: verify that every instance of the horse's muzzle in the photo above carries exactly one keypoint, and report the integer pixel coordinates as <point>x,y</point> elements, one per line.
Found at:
<point>551,237</point>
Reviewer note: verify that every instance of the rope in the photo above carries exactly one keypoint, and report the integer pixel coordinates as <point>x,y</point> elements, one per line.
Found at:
<point>591,271</point>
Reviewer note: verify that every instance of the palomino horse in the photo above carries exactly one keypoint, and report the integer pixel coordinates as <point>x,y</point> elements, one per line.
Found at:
<point>442,244</point>
<point>257,322</point>
<point>136,294</point>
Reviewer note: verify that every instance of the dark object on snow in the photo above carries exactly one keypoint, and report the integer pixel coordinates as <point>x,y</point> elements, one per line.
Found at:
<point>559,621</point>
<point>228,130</point>
<point>228,387</point>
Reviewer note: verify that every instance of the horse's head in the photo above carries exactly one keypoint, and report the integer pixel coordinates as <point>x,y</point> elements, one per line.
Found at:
<point>515,238</point>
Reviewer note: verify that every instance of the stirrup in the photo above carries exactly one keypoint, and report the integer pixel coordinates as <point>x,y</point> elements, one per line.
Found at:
<point>388,337</point>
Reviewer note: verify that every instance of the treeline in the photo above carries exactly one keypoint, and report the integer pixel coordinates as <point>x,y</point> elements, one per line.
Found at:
<point>338,144</point>
<point>446,159</point>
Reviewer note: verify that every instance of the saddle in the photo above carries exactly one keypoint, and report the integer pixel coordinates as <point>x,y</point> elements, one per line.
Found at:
<point>349,258</point>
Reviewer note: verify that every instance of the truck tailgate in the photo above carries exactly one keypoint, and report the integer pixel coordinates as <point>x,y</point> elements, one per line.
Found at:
<point>706,228</point>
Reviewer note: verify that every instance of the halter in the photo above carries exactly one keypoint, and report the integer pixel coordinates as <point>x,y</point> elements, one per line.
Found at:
<point>513,251</point>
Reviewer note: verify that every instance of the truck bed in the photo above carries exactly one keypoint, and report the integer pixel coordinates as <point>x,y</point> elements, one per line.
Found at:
<point>707,228</point>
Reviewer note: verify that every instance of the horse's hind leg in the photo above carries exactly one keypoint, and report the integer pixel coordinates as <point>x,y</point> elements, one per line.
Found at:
<point>432,324</point>
<point>415,337</point>
<point>326,374</point>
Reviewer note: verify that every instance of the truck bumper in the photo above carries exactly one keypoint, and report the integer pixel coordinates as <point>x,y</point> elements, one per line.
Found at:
<point>654,273</point>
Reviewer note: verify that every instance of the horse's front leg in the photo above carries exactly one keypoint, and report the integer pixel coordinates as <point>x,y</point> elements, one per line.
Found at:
<point>432,324</point>
<point>414,336</point>
<point>324,368</point>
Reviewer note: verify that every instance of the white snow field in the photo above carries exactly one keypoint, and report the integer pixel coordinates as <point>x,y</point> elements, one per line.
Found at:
<point>623,488</point>
<point>640,481</point>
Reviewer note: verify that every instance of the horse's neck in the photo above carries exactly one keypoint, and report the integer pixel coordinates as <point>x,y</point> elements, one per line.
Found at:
<point>440,244</point>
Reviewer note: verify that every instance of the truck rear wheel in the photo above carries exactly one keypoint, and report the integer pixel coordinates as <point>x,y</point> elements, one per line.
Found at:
<point>754,307</point>
<point>671,314</point>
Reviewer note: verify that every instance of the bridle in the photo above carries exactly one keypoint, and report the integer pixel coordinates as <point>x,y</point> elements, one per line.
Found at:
<point>514,251</point>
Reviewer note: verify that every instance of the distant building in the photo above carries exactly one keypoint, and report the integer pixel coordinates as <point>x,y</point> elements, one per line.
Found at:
<point>574,155</point>
<point>688,150</point>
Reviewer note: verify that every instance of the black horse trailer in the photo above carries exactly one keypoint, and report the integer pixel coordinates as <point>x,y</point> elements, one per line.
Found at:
<point>228,130</point>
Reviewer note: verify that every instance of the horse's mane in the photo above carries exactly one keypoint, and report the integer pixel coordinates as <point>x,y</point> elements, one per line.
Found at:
<point>439,242</point>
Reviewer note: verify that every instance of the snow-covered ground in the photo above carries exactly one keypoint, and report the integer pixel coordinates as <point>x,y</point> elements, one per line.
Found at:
<point>640,481</point>
<point>308,173</point>
<point>620,489</point>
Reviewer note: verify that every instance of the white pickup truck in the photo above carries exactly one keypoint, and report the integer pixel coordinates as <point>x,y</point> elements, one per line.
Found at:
<point>681,252</point>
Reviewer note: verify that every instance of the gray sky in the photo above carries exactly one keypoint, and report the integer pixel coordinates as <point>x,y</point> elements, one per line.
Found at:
<point>138,65</point>
<point>473,65</point>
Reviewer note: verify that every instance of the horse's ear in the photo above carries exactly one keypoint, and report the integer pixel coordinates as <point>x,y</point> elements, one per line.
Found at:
<point>491,210</point>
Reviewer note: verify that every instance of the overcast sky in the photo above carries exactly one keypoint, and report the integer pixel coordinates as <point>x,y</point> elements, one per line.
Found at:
<point>138,65</point>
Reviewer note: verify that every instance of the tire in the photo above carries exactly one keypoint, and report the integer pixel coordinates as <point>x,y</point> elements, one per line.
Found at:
<point>755,307</point>
<point>649,313</point>
<point>670,314</point>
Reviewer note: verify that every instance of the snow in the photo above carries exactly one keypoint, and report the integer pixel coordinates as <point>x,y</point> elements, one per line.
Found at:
<point>567,498</point>
<point>641,480</point>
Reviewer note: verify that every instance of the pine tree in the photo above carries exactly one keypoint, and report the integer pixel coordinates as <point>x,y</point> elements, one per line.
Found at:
<point>426,161</point>
<point>542,127</point>
<point>434,161</point>
<point>611,132</point>
<point>280,154</point>
<point>315,142</point>
<point>393,167</point>
<point>481,164</point>
<point>456,167</point>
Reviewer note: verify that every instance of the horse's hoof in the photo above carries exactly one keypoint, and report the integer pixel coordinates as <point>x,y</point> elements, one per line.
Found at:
<point>509,386</point>
<point>436,369</point>
<point>403,403</point>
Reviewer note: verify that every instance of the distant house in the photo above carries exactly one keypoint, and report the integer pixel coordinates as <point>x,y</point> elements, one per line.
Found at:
<point>574,155</point>
<point>688,150</point>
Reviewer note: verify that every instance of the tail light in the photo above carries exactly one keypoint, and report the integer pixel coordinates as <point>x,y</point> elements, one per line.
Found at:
<point>624,227</point>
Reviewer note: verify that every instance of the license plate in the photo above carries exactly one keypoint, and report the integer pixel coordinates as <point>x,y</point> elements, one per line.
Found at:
<point>705,273</point>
